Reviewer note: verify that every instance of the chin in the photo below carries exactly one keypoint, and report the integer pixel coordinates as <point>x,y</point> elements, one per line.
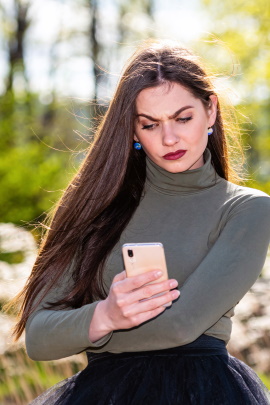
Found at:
<point>175,167</point>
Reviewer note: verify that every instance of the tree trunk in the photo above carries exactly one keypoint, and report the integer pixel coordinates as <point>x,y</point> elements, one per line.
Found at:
<point>16,45</point>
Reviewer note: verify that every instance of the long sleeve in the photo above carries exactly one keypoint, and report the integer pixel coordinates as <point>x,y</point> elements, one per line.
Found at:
<point>217,284</point>
<point>222,278</point>
<point>54,334</point>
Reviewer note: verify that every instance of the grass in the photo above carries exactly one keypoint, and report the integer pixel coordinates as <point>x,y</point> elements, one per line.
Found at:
<point>265,379</point>
<point>21,379</point>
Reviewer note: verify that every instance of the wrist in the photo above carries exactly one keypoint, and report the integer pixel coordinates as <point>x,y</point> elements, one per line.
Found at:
<point>99,325</point>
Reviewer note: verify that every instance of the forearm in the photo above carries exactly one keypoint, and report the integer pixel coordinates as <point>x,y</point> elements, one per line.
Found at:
<point>174,327</point>
<point>99,326</point>
<point>156,334</point>
<point>53,335</point>
<point>70,331</point>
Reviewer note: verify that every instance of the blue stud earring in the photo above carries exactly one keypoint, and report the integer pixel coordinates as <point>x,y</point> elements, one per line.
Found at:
<point>137,146</point>
<point>210,131</point>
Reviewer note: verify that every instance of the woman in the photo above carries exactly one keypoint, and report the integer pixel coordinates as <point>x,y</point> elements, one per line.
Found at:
<point>158,171</point>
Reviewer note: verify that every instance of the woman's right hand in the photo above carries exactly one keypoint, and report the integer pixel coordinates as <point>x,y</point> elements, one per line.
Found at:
<point>123,308</point>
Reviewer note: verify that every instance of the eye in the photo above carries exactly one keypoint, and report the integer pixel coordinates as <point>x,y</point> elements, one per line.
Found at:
<point>149,127</point>
<point>183,120</point>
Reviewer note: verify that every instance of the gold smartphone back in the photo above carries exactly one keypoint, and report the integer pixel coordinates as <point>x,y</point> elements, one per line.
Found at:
<point>142,257</point>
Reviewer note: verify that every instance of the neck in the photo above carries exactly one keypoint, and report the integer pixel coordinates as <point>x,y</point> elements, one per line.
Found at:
<point>188,181</point>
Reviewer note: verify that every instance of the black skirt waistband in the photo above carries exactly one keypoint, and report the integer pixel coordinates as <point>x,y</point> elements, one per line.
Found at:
<point>196,373</point>
<point>203,346</point>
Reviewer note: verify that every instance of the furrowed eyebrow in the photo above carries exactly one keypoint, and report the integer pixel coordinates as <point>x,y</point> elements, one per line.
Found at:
<point>170,117</point>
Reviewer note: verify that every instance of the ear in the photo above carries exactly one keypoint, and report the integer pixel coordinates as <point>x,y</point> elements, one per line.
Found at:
<point>212,109</point>
<point>135,138</point>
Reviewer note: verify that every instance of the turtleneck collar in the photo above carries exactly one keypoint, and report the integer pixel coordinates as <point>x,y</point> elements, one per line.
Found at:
<point>189,181</point>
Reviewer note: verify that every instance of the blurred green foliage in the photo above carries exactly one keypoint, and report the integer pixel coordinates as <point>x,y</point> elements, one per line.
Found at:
<point>37,153</point>
<point>37,140</point>
<point>12,257</point>
<point>241,36</point>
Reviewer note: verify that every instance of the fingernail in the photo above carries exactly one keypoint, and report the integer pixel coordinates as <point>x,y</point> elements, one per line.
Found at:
<point>173,284</point>
<point>158,273</point>
<point>175,294</point>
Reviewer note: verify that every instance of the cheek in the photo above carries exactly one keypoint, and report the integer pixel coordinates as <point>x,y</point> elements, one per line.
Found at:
<point>148,147</point>
<point>199,132</point>
<point>140,135</point>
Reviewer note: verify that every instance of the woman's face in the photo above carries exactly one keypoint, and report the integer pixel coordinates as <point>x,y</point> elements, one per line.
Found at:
<point>171,125</point>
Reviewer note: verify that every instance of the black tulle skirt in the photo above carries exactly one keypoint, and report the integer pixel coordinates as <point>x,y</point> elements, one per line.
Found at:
<point>200,373</point>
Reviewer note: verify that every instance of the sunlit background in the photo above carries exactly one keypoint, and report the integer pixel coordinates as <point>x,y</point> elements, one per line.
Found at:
<point>58,60</point>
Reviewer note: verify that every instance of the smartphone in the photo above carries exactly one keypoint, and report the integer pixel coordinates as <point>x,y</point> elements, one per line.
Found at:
<point>141,257</point>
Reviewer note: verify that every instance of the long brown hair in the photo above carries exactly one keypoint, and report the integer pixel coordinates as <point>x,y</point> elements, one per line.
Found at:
<point>102,197</point>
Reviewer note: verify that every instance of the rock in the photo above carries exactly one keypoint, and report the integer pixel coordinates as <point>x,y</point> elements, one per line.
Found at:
<point>6,323</point>
<point>259,359</point>
<point>250,339</point>
<point>13,276</point>
<point>248,305</point>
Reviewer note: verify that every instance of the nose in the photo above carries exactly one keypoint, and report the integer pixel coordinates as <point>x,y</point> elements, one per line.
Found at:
<point>169,136</point>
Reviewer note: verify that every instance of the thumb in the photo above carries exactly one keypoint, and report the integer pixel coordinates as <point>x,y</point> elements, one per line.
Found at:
<point>120,276</point>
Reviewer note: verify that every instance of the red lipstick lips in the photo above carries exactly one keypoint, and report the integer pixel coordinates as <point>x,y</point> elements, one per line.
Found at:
<point>175,155</point>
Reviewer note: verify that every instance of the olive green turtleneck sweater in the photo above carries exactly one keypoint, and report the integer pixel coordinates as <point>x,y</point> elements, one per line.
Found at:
<point>215,236</point>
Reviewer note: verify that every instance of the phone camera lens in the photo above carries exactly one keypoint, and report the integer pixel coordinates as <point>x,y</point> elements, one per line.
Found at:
<point>130,253</point>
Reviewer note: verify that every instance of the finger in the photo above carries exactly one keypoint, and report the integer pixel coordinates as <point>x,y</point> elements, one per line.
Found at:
<point>119,277</point>
<point>145,316</point>
<point>149,305</point>
<point>132,283</point>
<point>147,291</point>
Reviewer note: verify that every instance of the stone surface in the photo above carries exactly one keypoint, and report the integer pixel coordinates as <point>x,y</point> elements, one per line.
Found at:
<point>13,276</point>
<point>250,340</point>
